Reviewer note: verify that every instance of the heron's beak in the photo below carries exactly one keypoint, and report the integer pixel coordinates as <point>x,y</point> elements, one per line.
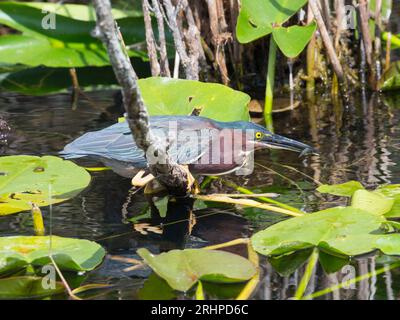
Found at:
<point>275,141</point>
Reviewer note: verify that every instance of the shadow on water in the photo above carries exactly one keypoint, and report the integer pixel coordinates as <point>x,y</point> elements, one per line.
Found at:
<point>355,142</point>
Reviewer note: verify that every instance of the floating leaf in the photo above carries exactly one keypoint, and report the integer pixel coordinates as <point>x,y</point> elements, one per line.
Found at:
<point>324,229</point>
<point>292,40</point>
<point>286,264</point>
<point>183,268</point>
<point>26,287</point>
<point>69,254</point>
<point>257,17</point>
<point>346,189</point>
<point>371,201</point>
<point>26,179</point>
<point>156,288</point>
<point>391,191</point>
<point>166,96</point>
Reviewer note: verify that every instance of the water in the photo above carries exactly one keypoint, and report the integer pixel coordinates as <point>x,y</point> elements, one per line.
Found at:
<point>356,142</point>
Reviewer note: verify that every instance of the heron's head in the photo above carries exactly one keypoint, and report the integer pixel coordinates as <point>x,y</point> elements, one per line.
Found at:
<point>263,139</point>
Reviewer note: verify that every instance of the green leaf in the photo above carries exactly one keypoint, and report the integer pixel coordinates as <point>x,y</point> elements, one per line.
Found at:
<point>183,268</point>
<point>363,243</point>
<point>391,78</point>
<point>27,19</point>
<point>156,288</point>
<point>346,189</point>
<point>257,17</point>
<point>26,179</point>
<point>166,96</point>
<point>286,264</point>
<point>372,202</point>
<point>79,11</point>
<point>69,254</point>
<point>391,191</point>
<point>31,51</point>
<point>324,229</point>
<point>332,263</point>
<point>26,287</point>
<point>43,81</point>
<point>69,44</point>
<point>292,40</point>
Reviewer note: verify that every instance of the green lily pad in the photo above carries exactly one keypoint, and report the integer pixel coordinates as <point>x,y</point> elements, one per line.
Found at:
<point>26,179</point>
<point>257,17</point>
<point>346,189</point>
<point>292,40</point>
<point>326,229</point>
<point>26,287</point>
<point>166,96</point>
<point>183,268</point>
<point>69,254</point>
<point>373,202</point>
<point>391,191</point>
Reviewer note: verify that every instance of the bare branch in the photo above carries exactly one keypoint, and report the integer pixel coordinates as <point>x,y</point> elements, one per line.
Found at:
<point>337,67</point>
<point>164,65</point>
<point>151,45</point>
<point>173,176</point>
<point>191,67</point>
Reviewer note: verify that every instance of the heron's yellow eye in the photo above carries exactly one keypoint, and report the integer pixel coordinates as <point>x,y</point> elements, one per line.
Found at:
<point>259,135</point>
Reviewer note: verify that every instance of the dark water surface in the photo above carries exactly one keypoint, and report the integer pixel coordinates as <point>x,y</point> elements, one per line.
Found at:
<point>359,142</point>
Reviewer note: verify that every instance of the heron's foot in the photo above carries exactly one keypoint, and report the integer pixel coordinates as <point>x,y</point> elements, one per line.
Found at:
<point>139,181</point>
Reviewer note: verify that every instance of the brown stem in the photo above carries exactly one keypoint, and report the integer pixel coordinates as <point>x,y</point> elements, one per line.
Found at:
<point>364,16</point>
<point>151,43</point>
<point>174,177</point>
<point>340,15</point>
<point>327,42</point>
<point>190,66</point>
<point>310,59</point>
<point>217,39</point>
<point>193,36</point>
<point>377,41</point>
<point>164,64</point>
<point>75,88</point>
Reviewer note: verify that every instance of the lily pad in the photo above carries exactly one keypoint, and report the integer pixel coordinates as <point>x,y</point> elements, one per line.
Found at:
<point>333,230</point>
<point>166,96</point>
<point>373,202</point>
<point>26,179</point>
<point>346,189</point>
<point>69,254</point>
<point>391,191</point>
<point>26,287</point>
<point>183,268</point>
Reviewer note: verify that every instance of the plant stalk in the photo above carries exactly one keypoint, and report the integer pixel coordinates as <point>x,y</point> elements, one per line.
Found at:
<point>269,90</point>
<point>312,262</point>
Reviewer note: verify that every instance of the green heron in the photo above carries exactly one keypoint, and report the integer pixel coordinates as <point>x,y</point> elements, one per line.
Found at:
<point>207,146</point>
